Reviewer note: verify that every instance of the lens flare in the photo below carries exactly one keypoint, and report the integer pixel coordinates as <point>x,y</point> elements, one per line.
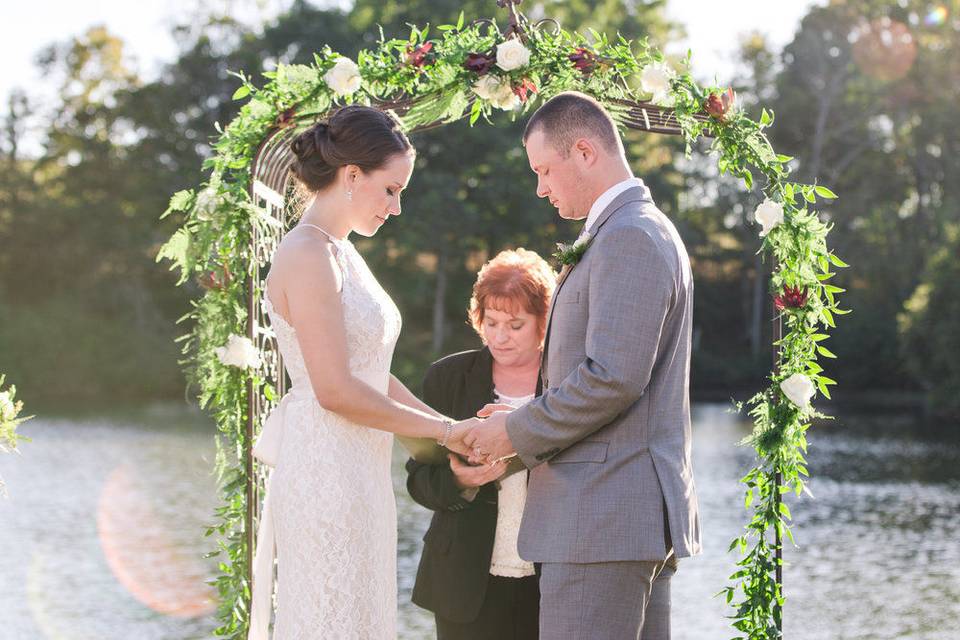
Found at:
<point>936,17</point>
<point>142,554</point>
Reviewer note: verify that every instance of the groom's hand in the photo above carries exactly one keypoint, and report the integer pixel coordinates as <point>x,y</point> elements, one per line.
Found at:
<point>490,408</point>
<point>489,441</point>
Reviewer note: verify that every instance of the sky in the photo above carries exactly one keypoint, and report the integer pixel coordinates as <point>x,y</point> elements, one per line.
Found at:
<point>713,30</point>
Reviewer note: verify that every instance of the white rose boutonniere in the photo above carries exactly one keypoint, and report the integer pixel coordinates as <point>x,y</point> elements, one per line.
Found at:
<point>343,78</point>
<point>512,55</point>
<point>239,352</point>
<point>655,79</point>
<point>799,389</point>
<point>769,214</point>
<point>570,254</point>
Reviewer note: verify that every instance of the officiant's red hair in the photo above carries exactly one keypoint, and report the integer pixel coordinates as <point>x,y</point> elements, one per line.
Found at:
<point>513,280</point>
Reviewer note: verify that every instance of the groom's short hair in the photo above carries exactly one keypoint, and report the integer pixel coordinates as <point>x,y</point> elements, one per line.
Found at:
<point>571,115</point>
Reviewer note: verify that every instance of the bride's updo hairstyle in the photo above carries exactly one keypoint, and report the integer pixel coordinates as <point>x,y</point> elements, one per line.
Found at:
<point>357,135</point>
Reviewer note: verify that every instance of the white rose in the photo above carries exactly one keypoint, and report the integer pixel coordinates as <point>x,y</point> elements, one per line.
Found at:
<point>7,409</point>
<point>769,214</point>
<point>343,77</point>
<point>498,92</point>
<point>487,86</point>
<point>664,100</point>
<point>799,389</point>
<point>655,78</point>
<point>239,352</point>
<point>512,55</point>
<point>206,204</point>
<point>582,240</point>
<point>506,99</point>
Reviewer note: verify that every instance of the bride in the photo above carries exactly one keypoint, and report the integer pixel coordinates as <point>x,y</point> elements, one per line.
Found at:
<point>330,499</point>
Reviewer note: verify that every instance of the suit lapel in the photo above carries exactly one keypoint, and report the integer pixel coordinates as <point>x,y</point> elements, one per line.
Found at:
<point>633,194</point>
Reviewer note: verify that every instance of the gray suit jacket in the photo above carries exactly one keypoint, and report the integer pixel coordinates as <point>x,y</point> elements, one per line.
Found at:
<point>608,442</point>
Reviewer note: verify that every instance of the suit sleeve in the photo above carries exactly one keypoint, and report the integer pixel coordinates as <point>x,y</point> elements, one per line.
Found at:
<point>631,290</point>
<point>432,485</point>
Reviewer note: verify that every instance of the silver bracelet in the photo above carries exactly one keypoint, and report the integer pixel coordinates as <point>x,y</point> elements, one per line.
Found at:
<point>446,434</point>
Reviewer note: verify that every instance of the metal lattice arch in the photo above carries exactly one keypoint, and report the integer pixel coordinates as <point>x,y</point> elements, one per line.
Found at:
<point>274,190</point>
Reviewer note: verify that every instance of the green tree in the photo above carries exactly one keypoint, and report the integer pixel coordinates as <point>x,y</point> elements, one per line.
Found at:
<point>930,331</point>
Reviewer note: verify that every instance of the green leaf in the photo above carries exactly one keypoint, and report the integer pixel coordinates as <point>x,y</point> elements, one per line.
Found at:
<point>766,118</point>
<point>828,318</point>
<point>837,261</point>
<point>181,201</point>
<point>825,352</point>
<point>823,389</point>
<point>823,192</point>
<point>242,92</point>
<point>475,112</point>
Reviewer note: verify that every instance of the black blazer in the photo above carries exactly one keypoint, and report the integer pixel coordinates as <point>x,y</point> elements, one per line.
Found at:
<point>455,566</point>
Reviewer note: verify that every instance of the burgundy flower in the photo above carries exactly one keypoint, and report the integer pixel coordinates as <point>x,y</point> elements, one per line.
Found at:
<point>526,86</point>
<point>420,55</point>
<point>718,105</point>
<point>212,281</point>
<point>584,60</point>
<point>791,298</point>
<point>285,119</point>
<point>479,63</point>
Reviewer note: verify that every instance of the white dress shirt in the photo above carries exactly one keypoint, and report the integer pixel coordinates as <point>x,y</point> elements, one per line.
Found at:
<point>609,196</point>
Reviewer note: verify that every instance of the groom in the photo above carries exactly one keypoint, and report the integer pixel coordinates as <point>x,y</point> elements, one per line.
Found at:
<point>611,503</point>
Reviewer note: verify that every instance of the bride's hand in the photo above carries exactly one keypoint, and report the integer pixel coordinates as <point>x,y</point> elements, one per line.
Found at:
<point>458,433</point>
<point>468,476</point>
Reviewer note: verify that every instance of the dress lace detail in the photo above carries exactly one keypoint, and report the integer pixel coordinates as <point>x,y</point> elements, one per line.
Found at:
<point>331,494</point>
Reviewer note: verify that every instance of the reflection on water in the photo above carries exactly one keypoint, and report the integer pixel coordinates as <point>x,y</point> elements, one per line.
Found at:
<point>102,532</point>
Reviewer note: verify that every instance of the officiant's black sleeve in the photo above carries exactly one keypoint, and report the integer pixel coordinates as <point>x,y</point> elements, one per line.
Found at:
<point>433,485</point>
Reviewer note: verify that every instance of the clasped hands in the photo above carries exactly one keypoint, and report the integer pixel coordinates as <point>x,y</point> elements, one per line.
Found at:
<point>484,439</point>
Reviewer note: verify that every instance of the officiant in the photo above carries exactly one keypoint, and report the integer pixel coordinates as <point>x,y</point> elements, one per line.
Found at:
<point>471,575</point>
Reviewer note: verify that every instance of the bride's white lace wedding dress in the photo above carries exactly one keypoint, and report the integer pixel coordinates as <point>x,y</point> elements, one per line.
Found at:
<point>330,497</point>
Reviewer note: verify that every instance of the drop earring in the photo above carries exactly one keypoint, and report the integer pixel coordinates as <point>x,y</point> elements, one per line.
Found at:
<point>350,196</point>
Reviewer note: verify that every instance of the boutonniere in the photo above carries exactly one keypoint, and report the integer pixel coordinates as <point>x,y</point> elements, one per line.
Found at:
<point>570,254</point>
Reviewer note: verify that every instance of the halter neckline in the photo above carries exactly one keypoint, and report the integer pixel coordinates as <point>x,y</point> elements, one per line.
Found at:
<point>333,239</point>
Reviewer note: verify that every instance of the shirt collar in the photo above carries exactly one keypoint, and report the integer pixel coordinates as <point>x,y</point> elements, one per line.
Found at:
<point>607,197</point>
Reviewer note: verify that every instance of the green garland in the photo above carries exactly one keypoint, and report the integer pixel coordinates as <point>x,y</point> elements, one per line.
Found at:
<point>469,71</point>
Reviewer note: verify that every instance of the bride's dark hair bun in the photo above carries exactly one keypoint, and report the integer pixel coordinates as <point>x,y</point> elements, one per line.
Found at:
<point>357,135</point>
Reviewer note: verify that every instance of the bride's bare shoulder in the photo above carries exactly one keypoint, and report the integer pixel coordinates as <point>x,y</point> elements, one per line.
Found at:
<point>300,253</point>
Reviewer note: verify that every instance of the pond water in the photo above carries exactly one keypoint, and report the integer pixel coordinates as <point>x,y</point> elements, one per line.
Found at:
<point>102,531</point>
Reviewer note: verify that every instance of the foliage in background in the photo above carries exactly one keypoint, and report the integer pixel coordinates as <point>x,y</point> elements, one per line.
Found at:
<point>467,72</point>
<point>930,324</point>
<point>77,212</point>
